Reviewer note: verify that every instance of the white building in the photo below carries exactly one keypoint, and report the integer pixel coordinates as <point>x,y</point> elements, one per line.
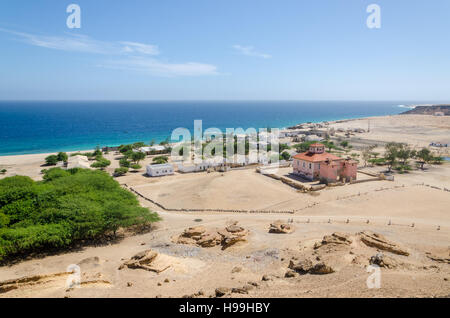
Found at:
<point>159,170</point>
<point>153,149</point>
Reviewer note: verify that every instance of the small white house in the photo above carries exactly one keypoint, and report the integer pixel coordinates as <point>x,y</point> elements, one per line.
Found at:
<point>159,170</point>
<point>194,167</point>
<point>153,149</point>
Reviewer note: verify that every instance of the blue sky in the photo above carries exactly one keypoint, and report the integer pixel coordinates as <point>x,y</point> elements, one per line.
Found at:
<point>225,50</point>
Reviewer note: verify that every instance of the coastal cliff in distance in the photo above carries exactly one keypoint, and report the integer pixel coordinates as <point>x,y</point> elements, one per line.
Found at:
<point>443,110</point>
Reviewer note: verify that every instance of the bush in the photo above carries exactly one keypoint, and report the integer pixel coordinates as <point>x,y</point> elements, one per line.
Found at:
<point>124,163</point>
<point>51,160</point>
<point>62,156</point>
<point>120,171</point>
<point>136,166</point>
<point>66,207</point>
<point>3,171</point>
<point>160,160</point>
<point>101,163</point>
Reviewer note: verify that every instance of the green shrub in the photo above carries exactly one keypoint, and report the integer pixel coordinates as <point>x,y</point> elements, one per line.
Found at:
<point>62,156</point>
<point>66,207</point>
<point>120,171</point>
<point>51,160</point>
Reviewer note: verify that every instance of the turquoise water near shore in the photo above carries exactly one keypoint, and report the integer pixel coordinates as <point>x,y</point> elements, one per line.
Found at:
<point>41,127</point>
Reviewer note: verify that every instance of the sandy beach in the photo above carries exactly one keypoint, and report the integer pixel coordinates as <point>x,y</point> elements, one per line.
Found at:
<point>410,213</point>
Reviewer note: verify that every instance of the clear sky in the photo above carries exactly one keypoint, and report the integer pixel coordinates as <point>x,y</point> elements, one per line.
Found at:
<point>225,49</point>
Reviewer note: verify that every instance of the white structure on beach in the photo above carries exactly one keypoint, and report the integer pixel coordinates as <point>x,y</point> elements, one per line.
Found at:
<point>78,162</point>
<point>159,170</point>
<point>155,149</point>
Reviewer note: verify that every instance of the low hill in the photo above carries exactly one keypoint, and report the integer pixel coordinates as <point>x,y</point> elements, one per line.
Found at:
<point>429,110</point>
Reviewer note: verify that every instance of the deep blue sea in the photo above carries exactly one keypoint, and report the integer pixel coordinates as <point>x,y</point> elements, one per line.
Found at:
<point>40,127</point>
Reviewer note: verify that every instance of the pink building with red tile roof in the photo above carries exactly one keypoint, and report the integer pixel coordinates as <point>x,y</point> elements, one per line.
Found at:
<point>316,164</point>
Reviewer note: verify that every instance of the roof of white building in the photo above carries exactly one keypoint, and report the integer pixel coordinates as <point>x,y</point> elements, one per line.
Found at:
<point>161,166</point>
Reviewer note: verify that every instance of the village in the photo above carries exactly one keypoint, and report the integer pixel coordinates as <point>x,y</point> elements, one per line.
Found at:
<point>306,225</point>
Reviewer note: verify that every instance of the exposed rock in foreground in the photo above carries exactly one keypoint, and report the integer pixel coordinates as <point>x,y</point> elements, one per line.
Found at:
<point>306,266</point>
<point>334,239</point>
<point>378,241</point>
<point>280,228</point>
<point>204,237</point>
<point>144,260</point>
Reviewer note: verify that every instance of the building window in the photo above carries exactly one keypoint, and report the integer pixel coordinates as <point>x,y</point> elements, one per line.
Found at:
<point>309,166</point>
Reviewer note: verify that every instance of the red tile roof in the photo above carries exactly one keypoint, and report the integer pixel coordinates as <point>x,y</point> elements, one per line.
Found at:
<point>316,157</point>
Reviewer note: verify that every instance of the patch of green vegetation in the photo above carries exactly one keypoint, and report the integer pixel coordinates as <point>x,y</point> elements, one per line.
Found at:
<point>160,160</point>
<point>120,171</point>
<point>65,208</point>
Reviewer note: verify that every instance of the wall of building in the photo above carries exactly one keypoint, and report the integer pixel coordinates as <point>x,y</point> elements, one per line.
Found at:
<point>309,170</point>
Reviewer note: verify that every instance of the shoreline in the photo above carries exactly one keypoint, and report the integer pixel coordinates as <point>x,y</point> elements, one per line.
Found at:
<point>285,128</point>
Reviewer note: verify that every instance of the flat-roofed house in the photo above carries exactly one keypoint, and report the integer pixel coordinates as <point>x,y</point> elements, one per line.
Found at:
<point>159,170</point>
<point>317,164</point>
<point>156,149</point>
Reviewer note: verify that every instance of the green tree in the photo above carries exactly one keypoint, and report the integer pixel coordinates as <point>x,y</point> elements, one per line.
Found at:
<point>101,163</point>
<point>62,156</point>
<point>137,156</point>
<point>391,154</point>
<point>51,160</point>
<point>120,171</point>
<point>67,207</point>
<point>424,155</point>
<point>3,171</point>
<point>403,153</point>
<point>285,156</point>
<point>344,143</point>
<point>160,160</point>
<point>124,163</point>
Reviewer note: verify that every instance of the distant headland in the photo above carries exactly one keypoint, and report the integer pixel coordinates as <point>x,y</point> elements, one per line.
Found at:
<point>438,110</point>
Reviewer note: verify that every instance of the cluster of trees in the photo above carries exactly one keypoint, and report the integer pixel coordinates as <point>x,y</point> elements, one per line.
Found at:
<point>66,207</point>
<point>130,159</point>
<point>397,156</point>
<point>304,146</point>
<point>100,161</point>
<point>52,160</point>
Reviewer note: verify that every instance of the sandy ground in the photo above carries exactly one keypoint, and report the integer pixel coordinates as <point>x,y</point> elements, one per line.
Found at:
<point>412,211</point>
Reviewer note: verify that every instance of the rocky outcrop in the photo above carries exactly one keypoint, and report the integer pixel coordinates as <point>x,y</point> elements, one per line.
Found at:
<point>280,228</point>
<point>384,261</point>
<point>203,237</point>
<point>439,259</point>
<point>336,238</point>
<point>306,266</point>
<point>378,241</point>
<point>144,260</point>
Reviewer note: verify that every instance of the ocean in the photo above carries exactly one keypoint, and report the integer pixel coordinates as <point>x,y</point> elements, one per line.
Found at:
<point>42,127</point>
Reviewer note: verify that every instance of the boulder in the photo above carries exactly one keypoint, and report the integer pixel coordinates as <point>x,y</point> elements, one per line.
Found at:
<point>143,260</point>
<point>334,239</point>
<point>306,266</point>
<point>203,237</point>
<point>280,228</point>
<point>303,266</point>
<point>222,291</point>
<point>383,261</point>
<point>378,241</point>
